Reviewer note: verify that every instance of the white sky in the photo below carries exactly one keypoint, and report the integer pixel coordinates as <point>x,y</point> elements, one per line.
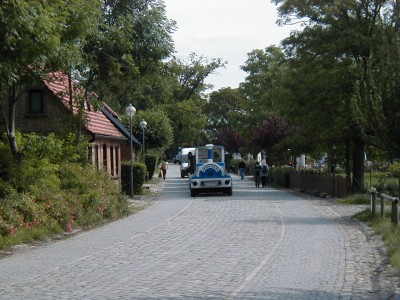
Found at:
<point>226,29</point>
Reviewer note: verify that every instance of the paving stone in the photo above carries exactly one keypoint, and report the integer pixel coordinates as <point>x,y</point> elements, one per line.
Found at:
<point>256,244</point>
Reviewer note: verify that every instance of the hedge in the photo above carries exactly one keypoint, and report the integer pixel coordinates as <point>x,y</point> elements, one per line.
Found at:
<point>151,163</point>
<point>280,176</point>
<point>139,176</point>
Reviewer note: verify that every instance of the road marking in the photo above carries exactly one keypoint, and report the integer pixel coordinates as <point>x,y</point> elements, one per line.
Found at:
<point>334,212</point>
<point>249,277</point>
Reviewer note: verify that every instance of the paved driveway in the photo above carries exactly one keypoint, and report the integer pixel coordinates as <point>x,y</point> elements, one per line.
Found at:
<point>257,244</point>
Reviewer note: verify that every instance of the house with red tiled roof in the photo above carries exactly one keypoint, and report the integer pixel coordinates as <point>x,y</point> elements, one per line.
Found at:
<point>57,104</point>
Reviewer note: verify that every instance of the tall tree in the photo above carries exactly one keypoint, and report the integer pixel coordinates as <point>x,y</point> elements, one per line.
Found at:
<point>262,88</point>
<point>191,75</point>
<point>36,37</point>
<point>225,109</point>
<point>230,139</point>
<point>349,32</point>
<point>158,133</point>
<point>188,122</point>
<point>186,106</point>
<point>125,59</point>
<point>268,136</point>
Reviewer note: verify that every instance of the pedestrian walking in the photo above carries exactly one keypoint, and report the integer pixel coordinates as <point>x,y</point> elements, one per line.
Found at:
<point>242,168</point>
<point>164,167</point>
<point>264,173</point>
<point>257,174</point>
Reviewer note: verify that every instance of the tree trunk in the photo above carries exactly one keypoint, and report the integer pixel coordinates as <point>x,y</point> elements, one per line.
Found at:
<point>347,160</point>
<point>358,166</point>
<point>10,125</point>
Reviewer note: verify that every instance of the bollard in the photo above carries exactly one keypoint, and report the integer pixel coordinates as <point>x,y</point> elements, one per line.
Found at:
<point>394,215</point>
<point>373,200</point>
<point>395,219</point>
<point>382,207</point>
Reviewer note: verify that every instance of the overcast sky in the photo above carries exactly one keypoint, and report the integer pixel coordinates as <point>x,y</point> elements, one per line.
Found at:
<point>226,29</point>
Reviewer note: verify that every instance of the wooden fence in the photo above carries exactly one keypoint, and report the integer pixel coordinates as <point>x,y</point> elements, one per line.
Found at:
<point>334,185</point>
<point>394,202</point>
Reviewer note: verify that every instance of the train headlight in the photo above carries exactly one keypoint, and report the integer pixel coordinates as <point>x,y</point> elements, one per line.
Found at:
<point>227,181</point>
<point>194,183</point>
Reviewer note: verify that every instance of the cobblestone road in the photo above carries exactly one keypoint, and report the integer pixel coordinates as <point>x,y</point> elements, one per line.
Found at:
<point>256,244</point>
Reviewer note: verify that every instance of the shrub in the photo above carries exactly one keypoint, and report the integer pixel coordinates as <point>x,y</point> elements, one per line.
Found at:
<point>280,176</point>
<point>35,174</point>
<point>7,162</point>
<point>92,196</point>
<point>394,169</point>
<point>5,188</point>
<point>151,163</point>
<point>20,211</point>
<point>139,174</point>
<point>53,148</point>
<point>42,196</point>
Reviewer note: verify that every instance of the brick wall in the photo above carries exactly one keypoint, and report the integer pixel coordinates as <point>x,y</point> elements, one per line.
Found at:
<point>55,117</point>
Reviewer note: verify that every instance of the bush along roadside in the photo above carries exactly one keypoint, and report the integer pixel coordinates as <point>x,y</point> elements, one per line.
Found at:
<point>41,197</point>
<point>72,197</point>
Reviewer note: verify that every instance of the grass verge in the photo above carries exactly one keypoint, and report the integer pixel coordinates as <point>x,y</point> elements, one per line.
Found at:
<point>382,226</point>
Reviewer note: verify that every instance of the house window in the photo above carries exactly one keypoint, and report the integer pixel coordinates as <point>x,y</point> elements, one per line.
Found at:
<point>35,106</point>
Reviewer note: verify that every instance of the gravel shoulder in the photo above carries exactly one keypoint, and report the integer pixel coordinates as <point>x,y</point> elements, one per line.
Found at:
<point>368,267</point>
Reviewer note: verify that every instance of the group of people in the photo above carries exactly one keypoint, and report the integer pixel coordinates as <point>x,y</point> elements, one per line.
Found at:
<point>260,172</point>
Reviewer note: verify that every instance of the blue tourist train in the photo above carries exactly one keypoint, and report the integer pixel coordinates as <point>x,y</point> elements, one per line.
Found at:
<point>209,172</point>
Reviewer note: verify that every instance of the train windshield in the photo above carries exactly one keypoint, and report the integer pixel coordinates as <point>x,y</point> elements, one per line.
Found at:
<point>217,154</point>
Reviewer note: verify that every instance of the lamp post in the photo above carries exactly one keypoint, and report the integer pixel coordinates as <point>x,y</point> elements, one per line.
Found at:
<point>143,124</point>
<point>130,111</point>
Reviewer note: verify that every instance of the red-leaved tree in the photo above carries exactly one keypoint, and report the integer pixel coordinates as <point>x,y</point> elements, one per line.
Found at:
<point>230,139</point>
<point>272,131</point>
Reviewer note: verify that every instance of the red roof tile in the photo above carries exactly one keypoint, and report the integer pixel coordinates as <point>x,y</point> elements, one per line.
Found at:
<point>97,122</point>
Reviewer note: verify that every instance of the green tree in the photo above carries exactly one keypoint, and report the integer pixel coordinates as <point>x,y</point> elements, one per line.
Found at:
<point>158,133</point>
<point>35,38</point>
<point>126,58</point>
<point>188,122</point>
<point>191,75</point>
<point>343,37</point>
<point>187,101</point>
<point>225,109</point>
<point>263,88</point>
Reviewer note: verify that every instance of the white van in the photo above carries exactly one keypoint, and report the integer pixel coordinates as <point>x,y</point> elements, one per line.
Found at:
<point>184,161</point>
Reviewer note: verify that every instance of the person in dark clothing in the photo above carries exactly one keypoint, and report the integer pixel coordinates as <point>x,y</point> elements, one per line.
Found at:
<point>264,173</point>
<point>242,168</point>
<point>257,174</point>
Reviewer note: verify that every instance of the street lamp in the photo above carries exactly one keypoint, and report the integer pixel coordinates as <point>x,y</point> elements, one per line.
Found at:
<point>130,111</point>
<point>143,124</point>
